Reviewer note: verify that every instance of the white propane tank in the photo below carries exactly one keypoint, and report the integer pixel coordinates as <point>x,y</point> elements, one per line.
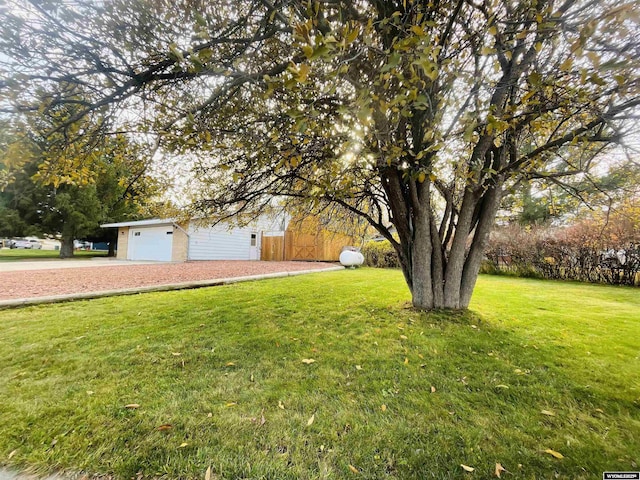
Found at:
<point>351,258</point>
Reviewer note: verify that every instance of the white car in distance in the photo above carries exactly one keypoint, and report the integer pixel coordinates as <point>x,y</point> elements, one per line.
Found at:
<point>35,244</point>
<point>26,243</point>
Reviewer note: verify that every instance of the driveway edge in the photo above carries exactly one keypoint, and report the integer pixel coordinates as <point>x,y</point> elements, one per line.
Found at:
<point>25,302</point>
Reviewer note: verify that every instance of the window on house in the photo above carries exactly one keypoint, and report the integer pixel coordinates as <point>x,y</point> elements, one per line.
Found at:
<point>254,239</point>
<point>136,234</point>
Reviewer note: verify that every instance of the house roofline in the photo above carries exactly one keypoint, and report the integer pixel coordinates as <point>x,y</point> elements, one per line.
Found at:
<point>140,223</point>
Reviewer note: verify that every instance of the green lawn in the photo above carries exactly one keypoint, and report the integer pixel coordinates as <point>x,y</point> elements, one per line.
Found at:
<point>392,393</point>
<point>18,254</point>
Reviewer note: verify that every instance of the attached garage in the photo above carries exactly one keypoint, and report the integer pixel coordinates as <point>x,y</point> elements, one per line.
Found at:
<point>159,240</point>
<point>151,243</point>
<point>266,238</point>
<point>164,240</point>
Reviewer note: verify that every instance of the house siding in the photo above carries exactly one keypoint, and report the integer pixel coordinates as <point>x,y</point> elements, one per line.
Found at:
<point>201,241</point>
<point>123,243</point>
<point>180,247</point>
<point>219,243</point>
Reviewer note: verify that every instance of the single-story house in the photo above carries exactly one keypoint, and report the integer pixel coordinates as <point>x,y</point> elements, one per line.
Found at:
<point>171,241</point>
<point>269,238</point>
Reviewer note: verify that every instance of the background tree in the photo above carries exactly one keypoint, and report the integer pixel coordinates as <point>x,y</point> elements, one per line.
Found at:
<point>19,196</point>
<point>407,113</point>
<point>19,202</point>
<point>542,201</point>
<point>127,185</point>
<point>72,211</point>
<point>69,189</point>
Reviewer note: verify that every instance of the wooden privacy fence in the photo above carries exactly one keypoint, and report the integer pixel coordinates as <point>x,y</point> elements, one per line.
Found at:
<point>272,249</point>
<point>321,246</point>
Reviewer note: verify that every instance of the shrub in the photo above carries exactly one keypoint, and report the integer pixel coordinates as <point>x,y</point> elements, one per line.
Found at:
<point>585,251</point>
<point>488,267</point>
<point>380,255</point>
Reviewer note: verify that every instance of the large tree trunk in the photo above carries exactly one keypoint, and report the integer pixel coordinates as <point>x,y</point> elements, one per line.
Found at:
<point>421,251</point>
<point>438,280</point>
<point>113,239</point>
<point>458,252</point>
<point>66,248</point>
<point>488,209</point>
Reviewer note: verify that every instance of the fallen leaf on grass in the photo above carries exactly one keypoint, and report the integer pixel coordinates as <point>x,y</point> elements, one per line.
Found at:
<point>406,360</point>
<point>207,474</point>
<point>499,470</point>
<point>13,452</point>
<point>554,453</point>
<point>404,337</point>
<point>308,361</point>
<point>229,364</point>
<point>176,354</point>
<point>599,410</point>
<point>311,420</point>
<point>132,406</point>
<point>433,389</point>
<point>503,386</point>
<point>383,408</point>
<point>358,367</point>
<point>548,412</point>
<point>209,415</point>
<point>467,468</point>
<point>90,392</point>
<point>353,469</point>
<point>164,427</point>
<point>230,404</point>
<point>183,444</point>
<point>280,405</point>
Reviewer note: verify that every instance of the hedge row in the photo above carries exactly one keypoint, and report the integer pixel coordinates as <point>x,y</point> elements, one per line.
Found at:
<point>380,255</point>
<point>574,253</point>
<point>579,253</point>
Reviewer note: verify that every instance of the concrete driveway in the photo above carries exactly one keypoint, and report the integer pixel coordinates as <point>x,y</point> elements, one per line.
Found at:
<point>57,263</point>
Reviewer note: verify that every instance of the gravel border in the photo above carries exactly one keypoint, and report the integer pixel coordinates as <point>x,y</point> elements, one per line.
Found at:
<point>24,302</point>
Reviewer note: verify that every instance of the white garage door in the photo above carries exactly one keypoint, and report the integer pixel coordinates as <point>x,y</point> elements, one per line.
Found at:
<point>151,243</point>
